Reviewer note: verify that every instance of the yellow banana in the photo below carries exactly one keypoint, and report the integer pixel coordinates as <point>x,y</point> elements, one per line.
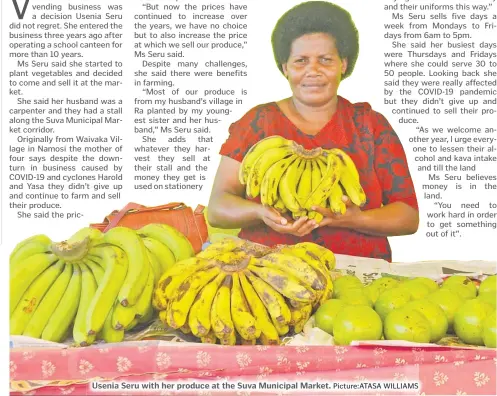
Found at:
<point>305,314</point>
<point>31,299</point>
<point>28,247</point>
<point>256,150</point>
<point>171,237</point>
<point>293,266</point>
<point>67,308</point>
<point>346,161</point>
<point>96,269</point>
<point>279,205</point>
<point>221,321</point>
<point>336,203</point>
<point>88,289</point>
<point>170,281</point>
<point>148,316</point>
<point>321,193</point>
<point>25,272</point>
<point>163,254</point>
<point>138,264</point>
<point>199,318</point>
<point>263,163</point>
<point>263,322</point>
<point>315,180</point>
<point>304,187</point>
<point>187,291</point>
<point>353,189</point>
<point>288,184</point>
<point>281,329</point>
<point>324,255</point>
<point>243,319</point>
<point>209,338</point>
<point>223,246</point>
<point>108,333</point>
<point>271,180</point>
<point>286,284</point>
<point>272,300</point>
<point>115,263</point>
<point>229,340</point>
<point>47,305</point>
<point>132,325</point>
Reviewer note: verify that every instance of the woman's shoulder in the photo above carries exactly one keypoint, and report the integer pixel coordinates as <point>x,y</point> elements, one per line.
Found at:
<point>363,113</point>
<point>258,110</point>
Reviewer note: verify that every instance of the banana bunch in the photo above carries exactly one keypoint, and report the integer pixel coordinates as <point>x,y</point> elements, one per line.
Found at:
<point>293,179</point>
<point>94,285</point>
<point>239,292</point>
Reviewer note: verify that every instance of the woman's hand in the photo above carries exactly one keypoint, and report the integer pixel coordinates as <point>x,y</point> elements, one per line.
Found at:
<point>279,223</point>
<point>351,215</point>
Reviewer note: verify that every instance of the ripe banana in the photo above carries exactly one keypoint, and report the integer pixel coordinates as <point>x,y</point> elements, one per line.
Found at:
<point>279,205</point>
<point>288,185</point>
<point>271,180</point>
<point>305,314</point>
<point>293,266</point>
<point>115,263</point>
<point>315,180</point>
<point>353,188</point>
<point>263,322</point>
<point>199,318</point>
<point>223,246</point>
<point>221,321</point>
<point>108,333</point>
<point>88,289</point>
<point>47,305</point>
<point>286,284</point>
<point>30,300</point>
<point>321,193</point>
<point>243,319</point>
<point>186,293</point>
<point>281,329</point>
<point>66,310</point>
<point>304,187</point>
<point>272,300</point>
<point>171,237</point>
<point>263,163</point>
<point>24,273</point>
<point>28,247</point>
<point>324,255</point>
<point>336,203</point>
<point>169,282</point>
<point>138,264</point>
<point>255,151</point>
<point>163,254</point>
<point>209,338</point>
<point>346,161</point>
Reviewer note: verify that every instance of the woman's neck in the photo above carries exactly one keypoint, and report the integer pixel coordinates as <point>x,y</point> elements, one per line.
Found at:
<point>313,114</point>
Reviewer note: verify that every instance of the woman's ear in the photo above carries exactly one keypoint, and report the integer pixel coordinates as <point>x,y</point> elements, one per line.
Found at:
<point>285,70</point>
<point>345,63</point>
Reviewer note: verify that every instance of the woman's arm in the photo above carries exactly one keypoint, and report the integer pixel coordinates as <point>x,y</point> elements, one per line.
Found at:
<point>229,209</point>
<point>393,219</point>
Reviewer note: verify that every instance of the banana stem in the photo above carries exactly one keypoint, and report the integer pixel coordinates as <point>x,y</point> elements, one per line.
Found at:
<point>71,251</point>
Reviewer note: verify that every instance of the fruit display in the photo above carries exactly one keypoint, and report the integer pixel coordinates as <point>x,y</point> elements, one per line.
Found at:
<point>293,179</point>
<point>417,310</point>
<point>238,292</point>
<point>92,286</point>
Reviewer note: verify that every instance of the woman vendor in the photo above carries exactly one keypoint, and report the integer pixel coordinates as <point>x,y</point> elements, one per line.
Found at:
<point>315,46</point>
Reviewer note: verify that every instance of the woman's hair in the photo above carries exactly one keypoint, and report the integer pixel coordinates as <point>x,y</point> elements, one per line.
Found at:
<point>316,17</point>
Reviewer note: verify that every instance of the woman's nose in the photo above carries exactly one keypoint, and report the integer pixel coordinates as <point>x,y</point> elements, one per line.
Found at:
<point>313,67</point>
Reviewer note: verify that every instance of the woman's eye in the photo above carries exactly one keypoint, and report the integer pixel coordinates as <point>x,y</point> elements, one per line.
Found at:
<point>326,60</point>
<point>301,60</point>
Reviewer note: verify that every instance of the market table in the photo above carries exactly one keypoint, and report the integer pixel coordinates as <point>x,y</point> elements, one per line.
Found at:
<point>62,371</point>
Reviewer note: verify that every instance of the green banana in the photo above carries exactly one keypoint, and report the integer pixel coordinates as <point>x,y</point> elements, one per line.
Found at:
<point>145,300</point>
<point>24,273</point>
<point>88,290</point>
<point>138,264</point>
<point>108,333</point>
<point>30,246</point>
<point>66,310</point>
<point>155,267</point>
<point>122,316</point>
<point>171,237</point>
<point>115,262</point>
<point>30,300</point>
<point>47,305</point>
<point>163,254</point>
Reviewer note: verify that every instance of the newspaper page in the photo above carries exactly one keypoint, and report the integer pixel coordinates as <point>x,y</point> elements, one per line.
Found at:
<point>107,103</point>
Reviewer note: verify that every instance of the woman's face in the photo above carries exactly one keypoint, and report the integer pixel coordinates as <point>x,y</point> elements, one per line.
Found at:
<point>314,69</point>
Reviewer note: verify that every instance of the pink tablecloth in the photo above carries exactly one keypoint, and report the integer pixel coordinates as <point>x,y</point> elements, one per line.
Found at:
<point>442,371</point>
